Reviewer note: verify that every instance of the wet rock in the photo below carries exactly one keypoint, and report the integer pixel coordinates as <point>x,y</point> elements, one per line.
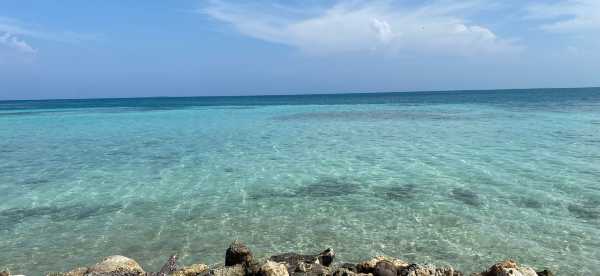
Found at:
<point>428,270</point>
<point>114,264</point>
<point>271,268</point>
<point>236,270</point>
<point>193,270</point>
<point>369,266</point>
<point>385,268</point>
<point>4,273</point>
<point>237,253</point>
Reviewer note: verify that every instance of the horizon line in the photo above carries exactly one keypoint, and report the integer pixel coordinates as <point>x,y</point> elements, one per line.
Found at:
<point>300,94</point>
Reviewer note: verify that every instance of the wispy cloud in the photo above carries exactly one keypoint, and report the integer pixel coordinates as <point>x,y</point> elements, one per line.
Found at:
<point>568,16</point>
<point>10,41</point>
<point>367,26</point>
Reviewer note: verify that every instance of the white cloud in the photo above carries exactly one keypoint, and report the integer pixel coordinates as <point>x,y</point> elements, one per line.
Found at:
<point>568,16</point>
<point>12,42</point>
<point>435,28</point>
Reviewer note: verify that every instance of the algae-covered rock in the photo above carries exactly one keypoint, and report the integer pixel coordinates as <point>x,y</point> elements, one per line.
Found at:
<point>114,264</point>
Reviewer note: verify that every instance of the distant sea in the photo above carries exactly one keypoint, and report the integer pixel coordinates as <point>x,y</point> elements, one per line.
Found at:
<point>465,178</point>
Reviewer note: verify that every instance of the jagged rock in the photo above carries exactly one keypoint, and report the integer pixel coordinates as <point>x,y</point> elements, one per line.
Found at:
<point>271,268</point>
<point>428,270</point>
<point>236,270</point>
<point>326,257</point>
<point>385,268</point>
<point>369,266</point>
<point>114,264</point>
<point>193,270</point>
<point>545,272</point>
<point>237,253</point>
<point>169,267</point>
<point>311,265</point>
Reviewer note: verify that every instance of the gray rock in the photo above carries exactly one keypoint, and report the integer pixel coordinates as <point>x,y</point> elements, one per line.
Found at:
<point>428,270</point>
<point>236,270</point>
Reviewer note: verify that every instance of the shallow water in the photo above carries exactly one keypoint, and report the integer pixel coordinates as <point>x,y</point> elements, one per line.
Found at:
<point>462,178</point>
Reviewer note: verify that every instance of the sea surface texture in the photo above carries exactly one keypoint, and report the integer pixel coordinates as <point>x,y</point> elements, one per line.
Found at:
<point>463,178</point>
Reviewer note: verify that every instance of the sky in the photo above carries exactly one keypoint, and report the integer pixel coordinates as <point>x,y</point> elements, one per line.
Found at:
<point>112,48</point>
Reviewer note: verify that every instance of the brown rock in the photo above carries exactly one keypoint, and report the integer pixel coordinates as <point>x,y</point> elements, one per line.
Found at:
<point>271,268</point>
<point>385,268</point>
<point>237,253</point>
<point>114,264</point>
<point>509,268</point>
<point>369,266</point>
<point>4,273</point>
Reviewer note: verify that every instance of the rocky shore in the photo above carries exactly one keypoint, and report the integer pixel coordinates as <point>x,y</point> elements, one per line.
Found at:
<point>239,261</point>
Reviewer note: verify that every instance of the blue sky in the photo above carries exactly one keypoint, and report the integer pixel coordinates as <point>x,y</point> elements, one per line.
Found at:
<point>84,49</point>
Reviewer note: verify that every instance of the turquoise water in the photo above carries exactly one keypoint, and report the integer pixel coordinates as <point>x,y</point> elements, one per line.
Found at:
<point>462,178</point>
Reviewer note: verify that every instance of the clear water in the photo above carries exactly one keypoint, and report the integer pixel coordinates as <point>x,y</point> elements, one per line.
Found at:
<point>462,178</point>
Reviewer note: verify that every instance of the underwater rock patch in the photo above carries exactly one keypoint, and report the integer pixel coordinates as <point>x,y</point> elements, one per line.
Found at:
<point>56,213</point>
<point>466,196</point>
<point>402,192</point>
<point>329,187</point>
<point>528,202</point>
<point>584,211</point>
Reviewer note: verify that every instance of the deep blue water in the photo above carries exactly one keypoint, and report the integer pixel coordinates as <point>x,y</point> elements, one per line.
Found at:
<point>464,178</point>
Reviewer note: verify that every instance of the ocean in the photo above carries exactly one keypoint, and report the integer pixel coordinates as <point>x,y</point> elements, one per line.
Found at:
<point>465,178</point>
